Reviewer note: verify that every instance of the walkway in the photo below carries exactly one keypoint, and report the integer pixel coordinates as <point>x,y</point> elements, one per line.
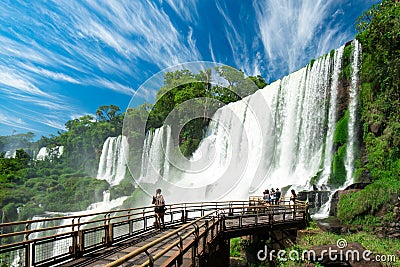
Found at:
<point>128,237</point>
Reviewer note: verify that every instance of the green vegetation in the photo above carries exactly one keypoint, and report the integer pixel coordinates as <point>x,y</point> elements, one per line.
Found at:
<point>346,72</point>
<point>63,183</point>
<point>236,247</point>
<point>187,102</point>
<point>379,34</point>
<point>67,183</point>
<point>338,176</point>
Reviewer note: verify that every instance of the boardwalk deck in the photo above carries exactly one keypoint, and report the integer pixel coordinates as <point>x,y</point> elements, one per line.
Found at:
<point>128,237</point>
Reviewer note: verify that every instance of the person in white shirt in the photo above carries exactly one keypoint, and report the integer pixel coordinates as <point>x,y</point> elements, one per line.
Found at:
<point>159,209</point>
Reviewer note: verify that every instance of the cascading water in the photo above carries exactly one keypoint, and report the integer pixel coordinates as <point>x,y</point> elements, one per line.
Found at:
<point>155,154</point>
<point>112,164</point>
<point>112,168</point>
<point>64,244</point>
<point>45,152</point>
<point>337,67</point>
<point>350,146</point>
<point>355,66</point>
<point>280,136</point>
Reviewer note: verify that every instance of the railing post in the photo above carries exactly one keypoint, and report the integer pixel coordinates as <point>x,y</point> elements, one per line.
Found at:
<point>230,212</point>
<point>110,238</point>
<point>144,220</point>
<point>81,242</point>
<point>77,238</point>
<point>180,258</point>
<point>206,233</point>
<point>130,224</point>
<point>28,248</point>
<point>196,244</point>
<point>151,260</point>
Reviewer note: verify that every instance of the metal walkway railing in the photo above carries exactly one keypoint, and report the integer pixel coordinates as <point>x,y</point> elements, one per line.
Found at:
<point>52,241</point>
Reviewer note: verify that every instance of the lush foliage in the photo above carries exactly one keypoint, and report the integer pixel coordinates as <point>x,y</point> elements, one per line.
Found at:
<point>367,201</point>
<point>187,102</point>
<point>338,176</point>
<point>67,183</point>
<point>236,247</point>
<point>63,183</point>
<point>379,34</point>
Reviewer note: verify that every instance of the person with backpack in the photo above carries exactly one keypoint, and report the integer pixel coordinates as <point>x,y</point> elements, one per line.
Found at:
<point>159,209</point>
<point>267,197</point>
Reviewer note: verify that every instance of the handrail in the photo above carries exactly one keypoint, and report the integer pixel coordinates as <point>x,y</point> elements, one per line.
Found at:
<point>113,219</point>
<point>140,211</point>
<point>155,242</point>
<point>145,248</point>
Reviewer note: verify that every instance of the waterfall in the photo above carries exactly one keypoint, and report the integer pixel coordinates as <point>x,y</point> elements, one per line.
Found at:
<point>352,135</point>
<point>45,152</point>
<point>64,244</point>
<point>332,116</point>
<point>280,136</point>
<point>157,154</point>
<point>112,164</point>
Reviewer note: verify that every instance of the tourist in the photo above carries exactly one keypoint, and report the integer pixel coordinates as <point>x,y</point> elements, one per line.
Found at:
<point>273,197</point>
<point>277,196</point>
<point>293,197</point>
<point>159,202</point>
<point>267,197</point>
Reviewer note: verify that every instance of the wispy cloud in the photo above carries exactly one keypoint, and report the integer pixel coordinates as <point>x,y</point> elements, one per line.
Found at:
<point>241,55</point>
<point>49,74</point>
<point>11,79</point>
<point>210,47</point>
<point>13,121</point>
<point>112,85</point>
<point>294,31</point>
<point>135,29</point>
<point>187,10</point>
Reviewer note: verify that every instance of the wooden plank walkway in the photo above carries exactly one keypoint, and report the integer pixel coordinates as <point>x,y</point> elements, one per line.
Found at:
<point>116,251</point>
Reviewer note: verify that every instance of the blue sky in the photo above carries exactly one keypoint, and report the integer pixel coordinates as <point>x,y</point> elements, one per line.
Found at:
<point>60,60</point>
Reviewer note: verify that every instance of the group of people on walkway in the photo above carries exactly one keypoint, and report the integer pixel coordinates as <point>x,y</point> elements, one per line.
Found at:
<point>274,196</point>
<point>271,197</point>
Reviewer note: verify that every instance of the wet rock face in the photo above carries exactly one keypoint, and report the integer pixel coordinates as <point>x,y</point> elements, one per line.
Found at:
<point>315,199</point>
<point>390,229</point>
<point>335,198</point>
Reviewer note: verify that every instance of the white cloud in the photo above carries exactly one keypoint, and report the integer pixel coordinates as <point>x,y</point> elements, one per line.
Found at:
<point>210,47</point>
<point>293,32</point>
<point>185,9</point>
<point>115,86</point>
<point>50,74</point>
<point>16,81</point>
<point>12,121</point>
<point>241,55</point>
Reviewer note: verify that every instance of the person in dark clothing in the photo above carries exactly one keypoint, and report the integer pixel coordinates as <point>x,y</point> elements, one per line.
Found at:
<point>277,196</point>
<point>293,197</point>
